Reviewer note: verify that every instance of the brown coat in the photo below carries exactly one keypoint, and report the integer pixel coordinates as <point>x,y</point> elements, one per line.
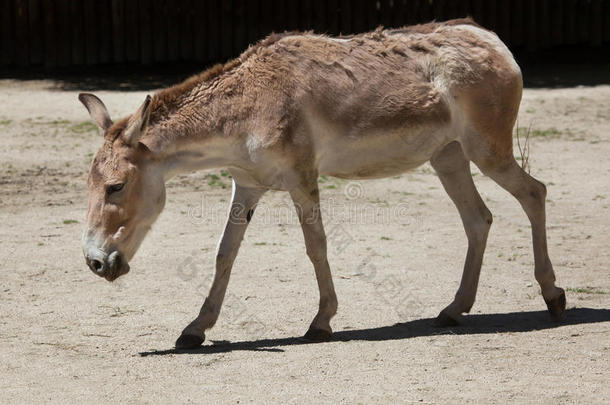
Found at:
<point>297,105</point>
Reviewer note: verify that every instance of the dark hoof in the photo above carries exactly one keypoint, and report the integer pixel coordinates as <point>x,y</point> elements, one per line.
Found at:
<point>557,307</point>
<point>443,320</point>
<point>189,342</point>
<point>317,335</point>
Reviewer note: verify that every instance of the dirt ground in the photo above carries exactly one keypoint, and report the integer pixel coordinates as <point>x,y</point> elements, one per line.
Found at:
<point>396,250</point>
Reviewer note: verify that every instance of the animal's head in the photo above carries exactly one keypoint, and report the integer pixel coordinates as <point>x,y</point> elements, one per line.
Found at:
<point>126,191</point>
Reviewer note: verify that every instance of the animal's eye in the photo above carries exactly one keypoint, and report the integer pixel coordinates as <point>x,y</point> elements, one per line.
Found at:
<point>114,188</point>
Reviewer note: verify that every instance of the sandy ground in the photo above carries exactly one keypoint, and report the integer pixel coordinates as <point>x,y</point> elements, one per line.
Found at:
<point>396,249</point>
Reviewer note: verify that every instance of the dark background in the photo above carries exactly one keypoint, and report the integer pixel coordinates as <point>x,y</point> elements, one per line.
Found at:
<point>151,40</point>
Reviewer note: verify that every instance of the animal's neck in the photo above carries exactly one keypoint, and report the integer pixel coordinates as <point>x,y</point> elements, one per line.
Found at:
<point>197,124</point>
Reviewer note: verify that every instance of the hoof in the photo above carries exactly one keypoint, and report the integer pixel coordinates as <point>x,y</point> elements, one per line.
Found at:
<point>557,307</point>
<point>443,320</point>
<point>189,342</point>
<point>317,335</point>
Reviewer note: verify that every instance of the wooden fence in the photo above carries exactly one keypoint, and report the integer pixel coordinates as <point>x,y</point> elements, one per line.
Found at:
<point>57,33</point>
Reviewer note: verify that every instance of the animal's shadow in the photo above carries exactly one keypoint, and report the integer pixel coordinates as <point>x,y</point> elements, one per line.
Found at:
<point>473,325</point>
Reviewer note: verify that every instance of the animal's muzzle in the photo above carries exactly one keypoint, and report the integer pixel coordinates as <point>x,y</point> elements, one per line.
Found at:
<point>109,266</point>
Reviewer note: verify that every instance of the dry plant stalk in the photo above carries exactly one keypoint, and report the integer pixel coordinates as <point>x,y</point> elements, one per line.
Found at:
<point>524,150</point>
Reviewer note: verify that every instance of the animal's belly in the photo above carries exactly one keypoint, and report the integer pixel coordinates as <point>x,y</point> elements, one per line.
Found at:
<point>378,155</point>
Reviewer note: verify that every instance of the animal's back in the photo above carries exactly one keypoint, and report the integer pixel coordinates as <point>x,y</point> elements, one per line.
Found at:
<point>390,97</point>
<point>386,78</point>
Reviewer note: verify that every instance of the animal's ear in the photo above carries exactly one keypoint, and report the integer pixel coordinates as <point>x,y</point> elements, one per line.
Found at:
<point>96,109</point>
<point>137,123</point>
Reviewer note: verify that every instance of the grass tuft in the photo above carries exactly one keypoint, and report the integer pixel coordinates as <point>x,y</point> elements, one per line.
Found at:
<point>83,127</point>
<point>587,290</point>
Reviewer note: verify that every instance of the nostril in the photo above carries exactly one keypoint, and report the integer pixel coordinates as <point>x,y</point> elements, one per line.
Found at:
<point>97,265</point>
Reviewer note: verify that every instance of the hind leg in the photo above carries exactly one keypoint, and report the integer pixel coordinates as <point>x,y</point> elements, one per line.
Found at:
<point>531,194</point>
<point>453,169</point>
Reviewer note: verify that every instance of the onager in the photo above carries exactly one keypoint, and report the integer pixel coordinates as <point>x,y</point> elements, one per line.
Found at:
<point>299,105</point>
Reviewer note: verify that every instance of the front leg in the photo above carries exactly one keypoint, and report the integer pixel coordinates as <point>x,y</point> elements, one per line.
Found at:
<point>307,203</point>
<point>242,206</point>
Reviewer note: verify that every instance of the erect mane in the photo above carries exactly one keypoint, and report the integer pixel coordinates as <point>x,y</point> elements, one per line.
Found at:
<point>169,96</point>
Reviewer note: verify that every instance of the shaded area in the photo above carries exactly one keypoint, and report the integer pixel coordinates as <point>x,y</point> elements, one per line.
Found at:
<point>473,325</point>
<point>565,67</point>
<point>54,33</point>
<point>538,71</point>
<point>108,78</point>
<point>564,76</point>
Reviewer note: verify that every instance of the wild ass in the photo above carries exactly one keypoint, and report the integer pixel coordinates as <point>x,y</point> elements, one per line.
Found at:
<point>299,105</point>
